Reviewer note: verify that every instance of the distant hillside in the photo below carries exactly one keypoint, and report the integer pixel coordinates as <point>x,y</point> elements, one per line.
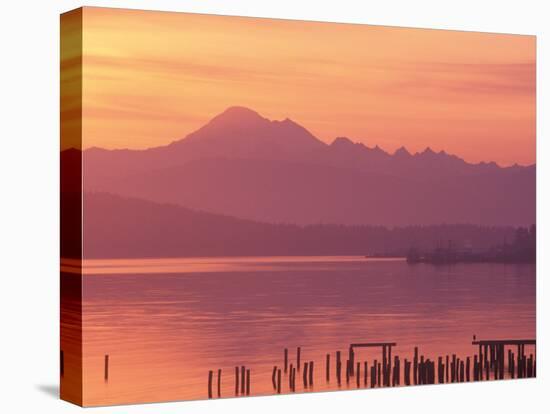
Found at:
<point>124,227</point>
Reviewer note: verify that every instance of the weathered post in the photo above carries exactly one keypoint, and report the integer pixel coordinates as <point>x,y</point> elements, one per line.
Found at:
<point>480,362</point>
<point>453,369</point>
<point>219,383</point>
<point>447,369</point>
<point>415,366</point>
<point>327,373</point>
<point>338,367</point>
<point>210,384</point>
<point>106,368</point>
<point>502,362</point>
<point>485,362</point>
<point>384,365</point>
<point>273,376</point>
<point>407,372</point>
<point>440,370</point>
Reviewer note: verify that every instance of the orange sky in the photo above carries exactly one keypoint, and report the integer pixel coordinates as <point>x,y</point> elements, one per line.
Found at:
<point>153,77</point>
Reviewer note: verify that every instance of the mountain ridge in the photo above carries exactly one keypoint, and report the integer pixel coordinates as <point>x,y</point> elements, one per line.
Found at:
<point>237,115</point>
<point>250,167</point>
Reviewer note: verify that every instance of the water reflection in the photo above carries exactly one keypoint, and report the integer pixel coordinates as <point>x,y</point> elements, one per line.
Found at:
<point>164,331</point>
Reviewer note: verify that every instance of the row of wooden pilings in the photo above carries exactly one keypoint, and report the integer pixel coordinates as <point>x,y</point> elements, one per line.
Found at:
<point>242,382</point>
<point>489,363</point>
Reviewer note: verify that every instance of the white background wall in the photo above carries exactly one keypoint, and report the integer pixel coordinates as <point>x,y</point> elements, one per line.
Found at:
<point>29,157</point>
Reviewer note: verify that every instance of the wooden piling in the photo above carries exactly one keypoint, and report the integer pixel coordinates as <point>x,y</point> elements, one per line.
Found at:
<point>480,362</point>
<point>278,381</point>
<point>415,366</point>
<point>365,373</point>
<point>378,370</point>
<point>338,367</point>
<point>106,368</point>
<point>373,375</point>
<point>384,365</point>
<point>243,378</point>
<point>407,372</point>
<point>447,368</point>
<point>219,383</point>
<point>467,369</point>
<point>210,373</point>
<point>327,370</point>
<point>440,370</point>
<point>305,374</point>
<point>273,376</point>
<point>485,361</point>
<point>501,361</point>
<point>358,374</point>
<point>310,373</point>
<point>248,382</point>
<point>395,372</point>
<point>237,381</point>
<point>487,370</point>
<point>298,352</point>
<point>453,368</point>
<point>388,379</point>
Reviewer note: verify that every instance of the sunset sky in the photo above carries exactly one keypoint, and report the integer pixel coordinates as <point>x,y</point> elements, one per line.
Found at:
<point>153,77</point>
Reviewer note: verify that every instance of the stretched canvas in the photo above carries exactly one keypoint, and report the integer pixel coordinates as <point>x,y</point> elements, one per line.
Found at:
<point>255,206</point>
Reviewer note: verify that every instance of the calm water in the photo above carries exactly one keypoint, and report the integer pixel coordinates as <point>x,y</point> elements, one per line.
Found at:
<point>165,323</point>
